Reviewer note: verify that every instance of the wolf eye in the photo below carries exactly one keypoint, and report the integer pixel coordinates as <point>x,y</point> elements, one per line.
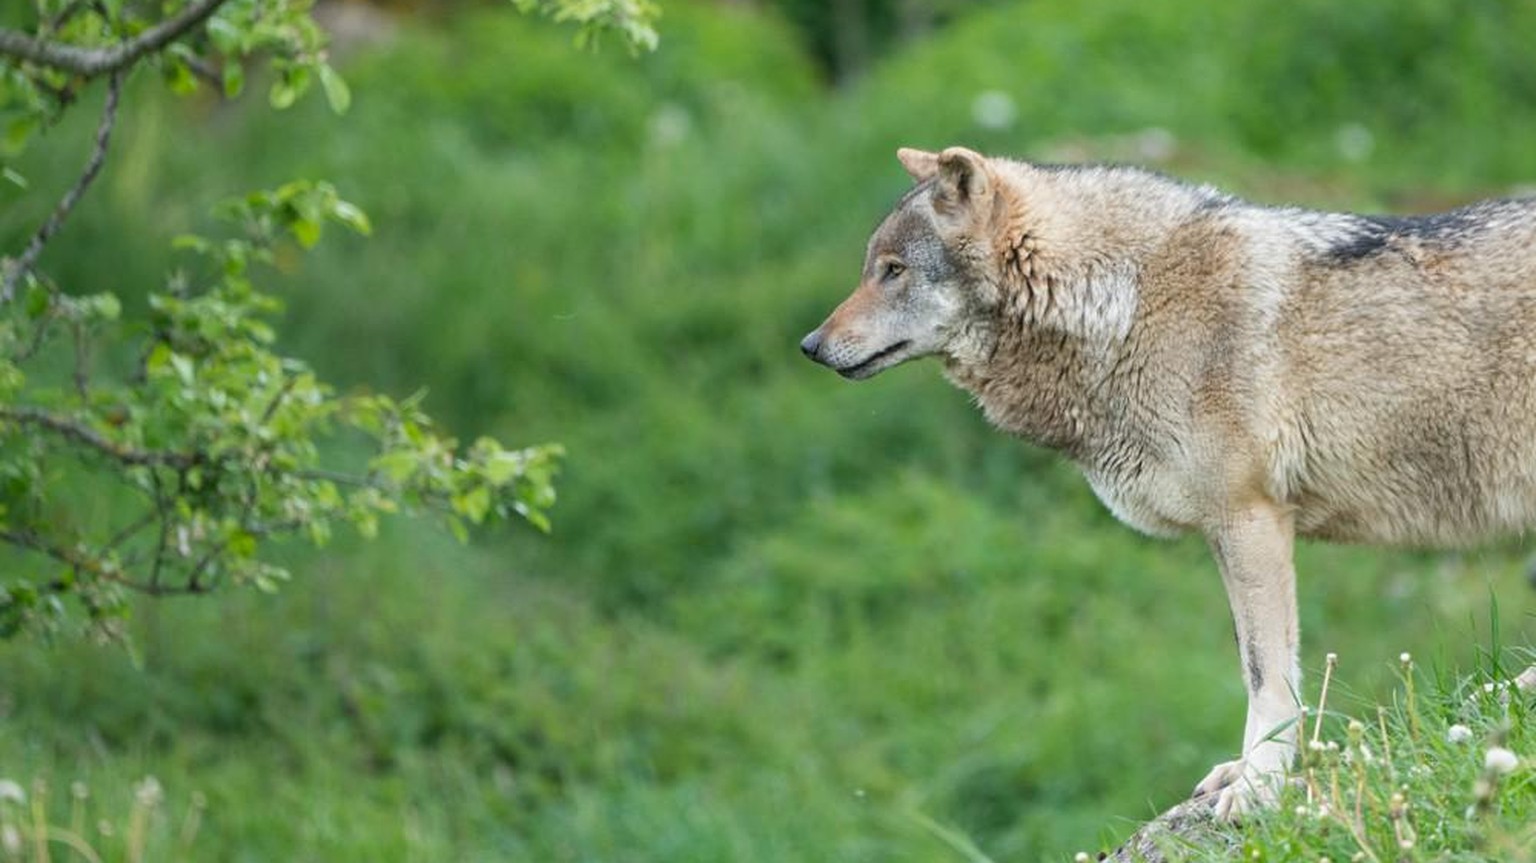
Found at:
<point>892,270</point>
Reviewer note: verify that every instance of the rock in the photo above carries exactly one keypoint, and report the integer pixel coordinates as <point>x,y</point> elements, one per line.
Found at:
<point>1187,824</point>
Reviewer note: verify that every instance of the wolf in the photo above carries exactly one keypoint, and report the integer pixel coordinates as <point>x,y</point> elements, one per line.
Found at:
<point>1252,373</point>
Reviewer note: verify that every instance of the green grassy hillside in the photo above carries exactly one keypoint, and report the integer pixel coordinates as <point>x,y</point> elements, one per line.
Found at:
<point>780,617</point>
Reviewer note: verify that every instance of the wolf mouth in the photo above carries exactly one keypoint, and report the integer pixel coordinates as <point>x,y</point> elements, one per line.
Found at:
<point>867,367</point>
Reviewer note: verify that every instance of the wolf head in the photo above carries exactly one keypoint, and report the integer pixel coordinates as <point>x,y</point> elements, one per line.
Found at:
<point>926,286</point>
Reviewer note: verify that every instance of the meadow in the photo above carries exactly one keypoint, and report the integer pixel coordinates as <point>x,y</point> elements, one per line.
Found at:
<point>779,617</point>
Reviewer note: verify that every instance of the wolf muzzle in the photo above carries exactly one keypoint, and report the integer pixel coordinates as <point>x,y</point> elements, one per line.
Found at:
<point>811,346</point>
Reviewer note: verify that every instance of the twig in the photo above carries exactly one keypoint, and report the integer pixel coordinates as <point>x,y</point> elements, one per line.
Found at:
<point>130,529</point>
<point>58,21</point>
<point>277,399</point>
<point>40,333</point>
<point>194,582</point>
<point>165,528</point>
<point>206,71</point>
<point>82,376</point>
<point>29,540</point>
<point>45,232</point>
<point>92,62</point>
<point>74,431</point>
<point>79,563</point>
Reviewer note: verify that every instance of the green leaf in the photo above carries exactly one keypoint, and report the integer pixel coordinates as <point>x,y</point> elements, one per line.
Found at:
<point>39,300</point>
<point>306,231</point>
<point>105,306</point>
<point>336,91</point>
<point>234,79</point>
<point>241,544</point>
<point>367,524</point>
<point>225,36</point>
<point>159,357</point>
<point>352,216</point>
<point>398,465</point>
<point>534,517</point>
<point>183,367</point>
<point>319,533</point>
<point>283,94</point>
<point>18,132</point>
<point>474,504</point>
<point>179,77</point>
<point>501,467</point>
<point>11,379</point>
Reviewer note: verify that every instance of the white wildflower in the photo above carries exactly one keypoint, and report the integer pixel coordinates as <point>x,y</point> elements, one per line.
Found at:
<point>1527,679</point>
<point>1458,733</point>
<point>12,792</point>
<point>148,793</point>
<point>1500,760</point>
<point>1361,752</point>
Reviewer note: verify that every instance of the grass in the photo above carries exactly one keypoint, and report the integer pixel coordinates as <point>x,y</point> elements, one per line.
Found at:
<point>1443,770</point>
<point>780,618</point>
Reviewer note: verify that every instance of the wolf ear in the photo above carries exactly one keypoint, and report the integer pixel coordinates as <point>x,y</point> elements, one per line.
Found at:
<point>920,164</point>
<point>965,180</point>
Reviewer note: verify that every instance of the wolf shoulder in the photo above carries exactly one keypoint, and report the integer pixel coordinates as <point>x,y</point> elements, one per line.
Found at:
<point>1379,373</point>
<point>1401,382</point>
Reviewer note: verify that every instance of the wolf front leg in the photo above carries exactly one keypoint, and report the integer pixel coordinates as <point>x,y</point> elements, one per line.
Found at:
<point>1253,549</point>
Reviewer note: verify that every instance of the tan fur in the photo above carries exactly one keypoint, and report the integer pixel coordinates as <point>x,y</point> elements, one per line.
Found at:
<point>1246,372</point>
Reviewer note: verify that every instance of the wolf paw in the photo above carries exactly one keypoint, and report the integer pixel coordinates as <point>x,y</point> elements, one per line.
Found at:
<point>1241,787</point>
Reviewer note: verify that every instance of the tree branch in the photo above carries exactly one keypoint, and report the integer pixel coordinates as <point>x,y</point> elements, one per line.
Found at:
<point>19,267</point>
<point>78,433</point>
<point>93,62</point>
<point>79,563</point>
<point>31,541</point>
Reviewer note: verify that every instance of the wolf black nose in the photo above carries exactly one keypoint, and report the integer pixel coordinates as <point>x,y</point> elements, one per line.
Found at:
<point>811,344</point>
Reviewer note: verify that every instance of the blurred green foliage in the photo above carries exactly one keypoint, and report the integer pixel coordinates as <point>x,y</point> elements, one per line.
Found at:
<point>779,617</point>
